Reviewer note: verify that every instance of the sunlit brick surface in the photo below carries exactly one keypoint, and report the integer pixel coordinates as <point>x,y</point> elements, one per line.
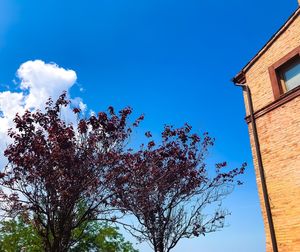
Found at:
<point>279,135</point>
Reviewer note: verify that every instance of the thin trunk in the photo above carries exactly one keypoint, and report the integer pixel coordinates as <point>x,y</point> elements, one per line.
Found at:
<point>160,246</point>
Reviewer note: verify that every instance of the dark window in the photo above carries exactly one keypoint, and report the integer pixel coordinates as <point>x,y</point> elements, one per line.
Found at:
<point>285,74</point>
<point>290,75</point>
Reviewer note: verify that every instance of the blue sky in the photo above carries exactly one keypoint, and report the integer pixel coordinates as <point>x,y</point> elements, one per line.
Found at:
<point>171,60</point>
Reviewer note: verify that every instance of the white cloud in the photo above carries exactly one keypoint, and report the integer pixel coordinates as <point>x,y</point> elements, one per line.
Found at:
<point>44,80</point>
<point>38,82</point>
<point>10,103</point>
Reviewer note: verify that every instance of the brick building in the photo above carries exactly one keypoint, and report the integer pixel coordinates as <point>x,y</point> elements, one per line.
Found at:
<point>272,80</point>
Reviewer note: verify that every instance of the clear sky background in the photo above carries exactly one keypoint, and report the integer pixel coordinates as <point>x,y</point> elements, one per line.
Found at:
<point>169,59</point>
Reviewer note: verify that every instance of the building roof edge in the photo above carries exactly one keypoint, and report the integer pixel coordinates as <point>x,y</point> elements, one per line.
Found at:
<point>241,74</point>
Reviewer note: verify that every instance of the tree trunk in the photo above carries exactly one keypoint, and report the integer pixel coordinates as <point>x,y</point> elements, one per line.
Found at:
<point>60,243</point>
<point>160,246</point>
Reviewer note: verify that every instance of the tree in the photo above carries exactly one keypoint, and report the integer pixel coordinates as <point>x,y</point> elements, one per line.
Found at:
<point>55,168</point>
<point>17,235</point>
<point>168,187</point>
<point>101,237</point>
<point>20,235</point>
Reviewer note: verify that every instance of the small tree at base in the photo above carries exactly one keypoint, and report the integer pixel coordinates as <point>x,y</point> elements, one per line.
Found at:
<point>168,187</point>
<point>20,235</point>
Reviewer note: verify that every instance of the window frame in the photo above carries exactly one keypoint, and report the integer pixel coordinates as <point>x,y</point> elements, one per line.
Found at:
<point>276,70</point>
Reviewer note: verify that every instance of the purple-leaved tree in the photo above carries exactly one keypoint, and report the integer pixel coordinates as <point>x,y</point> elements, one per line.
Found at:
<point>57,172</point>
<point>167,188</point>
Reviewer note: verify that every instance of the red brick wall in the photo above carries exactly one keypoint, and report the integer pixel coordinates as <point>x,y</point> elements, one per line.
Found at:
<point>279,135</point>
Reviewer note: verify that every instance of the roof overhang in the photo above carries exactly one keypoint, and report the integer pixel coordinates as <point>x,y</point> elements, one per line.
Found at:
<point>240,77</point>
